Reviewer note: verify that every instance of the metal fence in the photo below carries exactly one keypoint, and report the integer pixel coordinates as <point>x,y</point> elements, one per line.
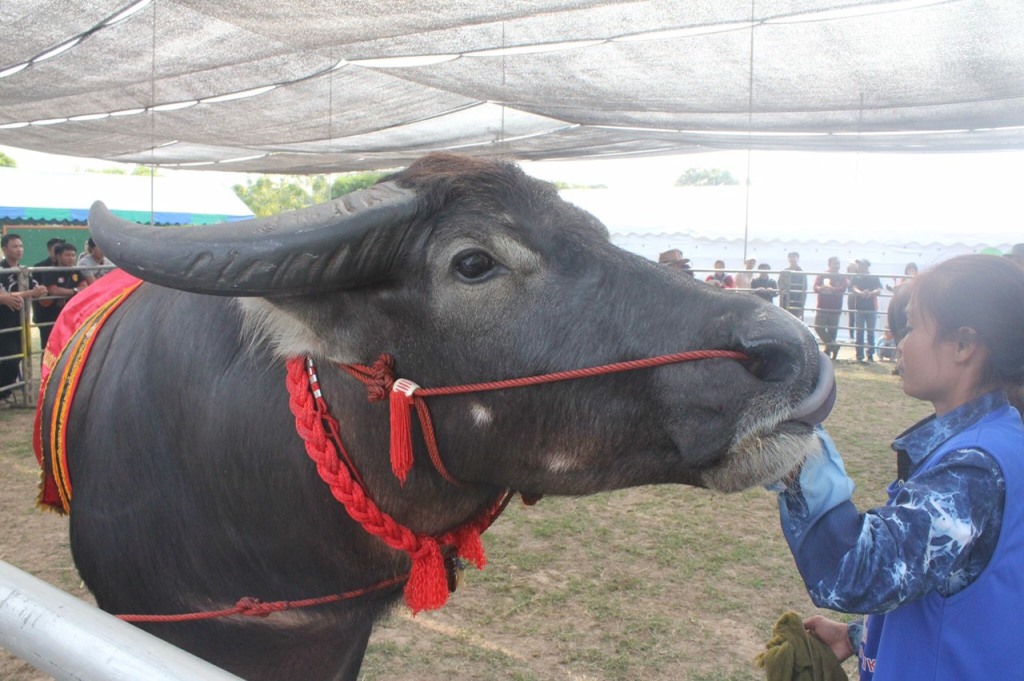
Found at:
<point>807,312</point>
<point>74,641</point>
<point>28,353</point>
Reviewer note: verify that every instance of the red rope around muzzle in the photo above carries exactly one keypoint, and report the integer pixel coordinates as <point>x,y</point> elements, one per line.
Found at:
<point>405,394</point>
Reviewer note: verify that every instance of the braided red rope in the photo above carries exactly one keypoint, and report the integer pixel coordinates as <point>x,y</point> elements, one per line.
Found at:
<point>427,587</point>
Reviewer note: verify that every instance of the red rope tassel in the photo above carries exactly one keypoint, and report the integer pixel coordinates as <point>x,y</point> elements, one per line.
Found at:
<point>427,588</point>
<point>469,546</point>
<point>401,427</point>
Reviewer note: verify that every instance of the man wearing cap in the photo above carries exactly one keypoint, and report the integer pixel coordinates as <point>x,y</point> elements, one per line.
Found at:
<point>865,287</point>
<point>674,258</point>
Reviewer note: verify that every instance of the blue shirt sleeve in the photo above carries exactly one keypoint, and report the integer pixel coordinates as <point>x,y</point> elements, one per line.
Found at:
<point>939,532</point>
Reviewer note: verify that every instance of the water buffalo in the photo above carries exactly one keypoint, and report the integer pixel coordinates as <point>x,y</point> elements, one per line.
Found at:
<point>191,487</point>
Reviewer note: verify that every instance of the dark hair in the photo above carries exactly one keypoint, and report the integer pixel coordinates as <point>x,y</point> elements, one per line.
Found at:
<point>8,238</point>
<point>792,253</point>
<point>90,243</point>
<point>54,240</point>
<point>64,246</point>
<point>764,266</point>
<point>897,312</point>
<point>982,292</point>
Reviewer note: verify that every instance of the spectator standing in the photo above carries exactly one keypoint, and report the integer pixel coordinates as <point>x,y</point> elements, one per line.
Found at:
<point>744,278</point>
<point>60,285</point>
<point>674,258</point>
<point>830,288</point>
<point>12,304</point>
<point>866,287</point>
<point>793,285</point>
<point>851,302</point>
<point>93,258</point>
<point>719,278</point>
<point>909,272</point>
<point>763,285</point>
<point>40,307</point>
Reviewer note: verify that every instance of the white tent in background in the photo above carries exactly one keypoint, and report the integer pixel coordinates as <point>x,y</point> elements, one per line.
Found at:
<point>890,226</point>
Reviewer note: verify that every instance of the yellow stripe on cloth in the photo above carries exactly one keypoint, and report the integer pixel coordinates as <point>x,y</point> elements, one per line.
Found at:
<point>76,351</point>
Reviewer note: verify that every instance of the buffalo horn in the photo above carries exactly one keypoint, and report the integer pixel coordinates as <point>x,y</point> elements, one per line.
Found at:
<point>329,246</point>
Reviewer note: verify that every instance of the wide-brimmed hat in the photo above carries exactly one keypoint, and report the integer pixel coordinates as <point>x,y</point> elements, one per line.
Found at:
<point>670,256</point>
<point>673,257</point>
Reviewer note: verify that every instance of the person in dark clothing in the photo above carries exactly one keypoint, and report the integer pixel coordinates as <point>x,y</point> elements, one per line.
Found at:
<point>60,285</point>
<point>866,287</point>
<point>830,288</point>
<point>12,310</point>
<point>762,285</point>
<point>793,285</point>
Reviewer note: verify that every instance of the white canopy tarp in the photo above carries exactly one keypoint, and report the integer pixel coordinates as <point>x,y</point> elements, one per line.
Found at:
<point>334,85</point>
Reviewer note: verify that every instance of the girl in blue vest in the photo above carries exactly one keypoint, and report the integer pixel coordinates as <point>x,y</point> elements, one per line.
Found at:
<point>938,570</point>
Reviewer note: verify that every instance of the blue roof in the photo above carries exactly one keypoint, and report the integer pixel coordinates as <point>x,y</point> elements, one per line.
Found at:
<point>65,198</point>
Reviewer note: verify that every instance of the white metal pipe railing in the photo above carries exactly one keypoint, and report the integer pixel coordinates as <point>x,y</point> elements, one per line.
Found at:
<point>74,641</point>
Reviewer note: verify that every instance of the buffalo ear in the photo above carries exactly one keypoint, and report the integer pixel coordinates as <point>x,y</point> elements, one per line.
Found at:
<point>320,248</point>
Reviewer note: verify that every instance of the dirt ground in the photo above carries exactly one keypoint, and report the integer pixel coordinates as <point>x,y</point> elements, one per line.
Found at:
<point>32,540</point>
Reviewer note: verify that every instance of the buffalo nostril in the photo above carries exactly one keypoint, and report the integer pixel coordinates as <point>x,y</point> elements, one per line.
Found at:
<point>772,362</point>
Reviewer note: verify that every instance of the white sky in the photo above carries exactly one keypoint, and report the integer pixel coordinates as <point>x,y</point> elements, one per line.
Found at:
<point>986,185</point>
<point>960,173</point>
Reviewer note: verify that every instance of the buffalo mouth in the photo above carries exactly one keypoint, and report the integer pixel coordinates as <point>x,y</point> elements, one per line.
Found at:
<point>774,441</point>
<point>818,404</point>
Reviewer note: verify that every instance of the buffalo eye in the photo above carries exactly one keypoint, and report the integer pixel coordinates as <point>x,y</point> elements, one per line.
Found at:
<point>473,265</point>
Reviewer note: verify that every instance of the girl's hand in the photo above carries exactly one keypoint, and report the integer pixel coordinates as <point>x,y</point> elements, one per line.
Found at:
<point>833,634</point>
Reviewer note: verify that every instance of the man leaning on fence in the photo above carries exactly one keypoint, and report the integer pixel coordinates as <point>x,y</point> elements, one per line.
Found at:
<point>61,285</point>
<point>831,288</point>
<point>12,312</point>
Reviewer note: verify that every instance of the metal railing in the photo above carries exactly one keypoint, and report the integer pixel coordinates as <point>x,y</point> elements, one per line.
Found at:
<point>784,294</point>
<point>24,385</point>
<point>73,641</point>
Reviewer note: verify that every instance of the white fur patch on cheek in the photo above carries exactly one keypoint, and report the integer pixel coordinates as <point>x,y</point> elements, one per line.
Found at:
<point>482,416</point>
<point>562,463</point>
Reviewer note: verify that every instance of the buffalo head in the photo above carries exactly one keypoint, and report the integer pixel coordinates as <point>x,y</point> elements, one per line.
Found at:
<point>468,270</point>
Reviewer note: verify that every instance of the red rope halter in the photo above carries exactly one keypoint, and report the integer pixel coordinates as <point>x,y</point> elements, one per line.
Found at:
<point>404,394</point>
<point>428,585</point>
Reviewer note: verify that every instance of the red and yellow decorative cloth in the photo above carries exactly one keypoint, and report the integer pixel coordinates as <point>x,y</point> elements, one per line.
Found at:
<point>72,338</point>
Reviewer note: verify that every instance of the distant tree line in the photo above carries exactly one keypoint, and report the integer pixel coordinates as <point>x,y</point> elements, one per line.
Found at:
<point>705,177</point>
<point>273,194</point>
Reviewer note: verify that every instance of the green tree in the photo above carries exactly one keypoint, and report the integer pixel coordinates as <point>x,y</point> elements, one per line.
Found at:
<point>6,161</point>
<point>705,177</point>
<point>268,195</point>
<point>145,171</point>
<point>560,185</point>
<point>350,182</point>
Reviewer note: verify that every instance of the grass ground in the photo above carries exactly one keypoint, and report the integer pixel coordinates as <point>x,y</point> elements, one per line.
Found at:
<point>649,583</point>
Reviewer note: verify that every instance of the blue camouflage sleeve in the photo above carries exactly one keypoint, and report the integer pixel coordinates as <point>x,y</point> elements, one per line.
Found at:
<point>939,533</point>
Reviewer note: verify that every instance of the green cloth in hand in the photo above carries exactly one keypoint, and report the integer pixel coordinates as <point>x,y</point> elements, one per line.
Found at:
<point>794,655</point>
